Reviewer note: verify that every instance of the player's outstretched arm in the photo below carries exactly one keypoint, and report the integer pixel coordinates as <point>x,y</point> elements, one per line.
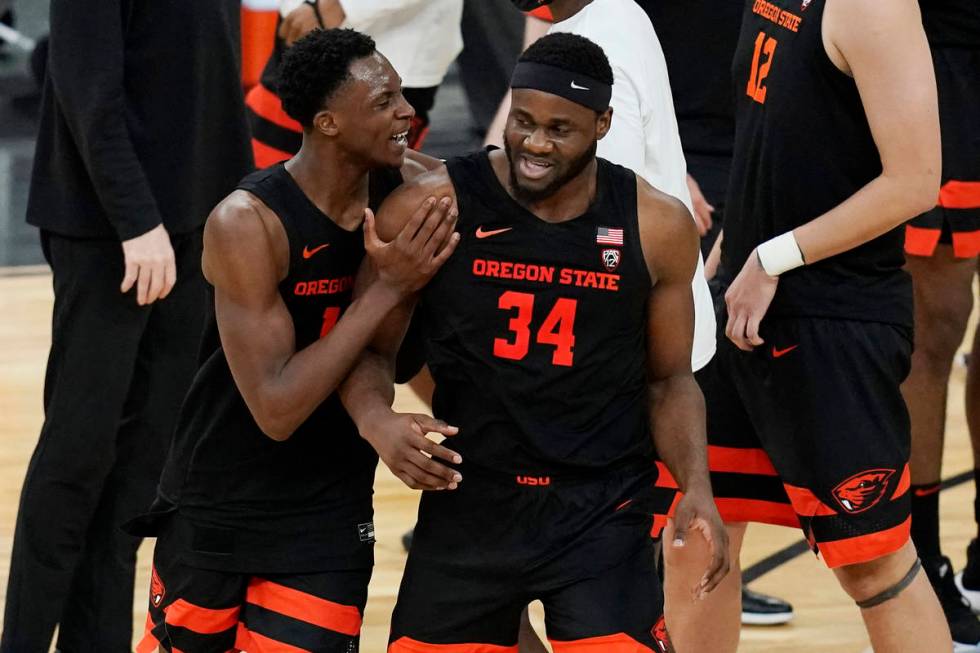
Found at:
<point>245,258</point>
<point>882,45</point>
<point>368,391</point>
<point>677,416</point>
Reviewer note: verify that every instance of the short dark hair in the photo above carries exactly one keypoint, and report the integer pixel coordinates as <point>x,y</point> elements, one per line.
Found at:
<point>570,52</point>
<point>315,66</point>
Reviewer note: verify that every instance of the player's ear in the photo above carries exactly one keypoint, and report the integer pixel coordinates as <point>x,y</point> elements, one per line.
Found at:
<point>326,123</point>
<point>603,123</point>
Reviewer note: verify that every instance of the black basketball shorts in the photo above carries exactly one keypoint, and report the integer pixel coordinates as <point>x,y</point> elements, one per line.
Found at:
<point>810,430</point>
<point>201,611</point>
<point>956,218</point>
<point>481,553</point>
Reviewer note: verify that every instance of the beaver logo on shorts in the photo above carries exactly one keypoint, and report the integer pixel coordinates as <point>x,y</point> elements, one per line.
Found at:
<point>659,633</point>
<point>863,491</point>
<point>611,258</point>
<point>157,590</point>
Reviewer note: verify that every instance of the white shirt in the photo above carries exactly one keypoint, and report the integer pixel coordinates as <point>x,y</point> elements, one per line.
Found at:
<point>644,135</point>
<point>421,38</point>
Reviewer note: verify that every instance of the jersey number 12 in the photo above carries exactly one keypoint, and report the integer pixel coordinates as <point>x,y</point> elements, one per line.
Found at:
<point>557,330</point>
<point>764,46</point>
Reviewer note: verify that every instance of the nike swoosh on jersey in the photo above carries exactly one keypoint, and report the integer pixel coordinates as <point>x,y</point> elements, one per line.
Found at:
<point>779,353</point>
<point>480,233</point>
<point>579,88</point>
<point>308,253</point>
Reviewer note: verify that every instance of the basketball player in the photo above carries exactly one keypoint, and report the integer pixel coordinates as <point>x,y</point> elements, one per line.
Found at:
<point>942,247</point>
<point>559,336</point>
<point>803,398</point>
<point>263,513</point>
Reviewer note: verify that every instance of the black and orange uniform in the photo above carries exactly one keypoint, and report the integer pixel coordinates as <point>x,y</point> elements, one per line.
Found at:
<point>953,30</point>
<point>536,340</point>
<point>810,429</point>
<point>277,137</point>
<point>262,540</point>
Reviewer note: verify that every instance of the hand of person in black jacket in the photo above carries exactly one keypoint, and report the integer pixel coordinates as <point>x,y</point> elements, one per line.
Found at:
<point>304,19</point>
<point>150,265</point>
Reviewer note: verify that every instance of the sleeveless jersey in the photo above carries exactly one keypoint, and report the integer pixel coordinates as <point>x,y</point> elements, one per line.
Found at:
<point>952,23</point>
<point>244,501</point>
<point>803,146</point>
<point>537,331</point>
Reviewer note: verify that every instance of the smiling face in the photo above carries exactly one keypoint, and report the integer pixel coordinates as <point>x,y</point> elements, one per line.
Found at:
<point>549,142</point>
<point>370,116</point>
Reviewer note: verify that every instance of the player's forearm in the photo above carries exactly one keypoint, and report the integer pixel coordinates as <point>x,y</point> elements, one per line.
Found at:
<point>677,422</point>
<point>289,396</point>
<point>882,205</point>
<point>369,389</point>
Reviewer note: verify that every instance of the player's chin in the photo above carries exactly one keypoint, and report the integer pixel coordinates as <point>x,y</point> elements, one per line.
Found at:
<point>392,153</point>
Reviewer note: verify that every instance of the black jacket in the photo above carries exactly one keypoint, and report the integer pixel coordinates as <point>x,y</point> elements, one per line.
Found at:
<point>142,117</point>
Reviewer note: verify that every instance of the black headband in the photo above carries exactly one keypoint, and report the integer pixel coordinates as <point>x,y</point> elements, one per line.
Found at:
<point>580,89</point>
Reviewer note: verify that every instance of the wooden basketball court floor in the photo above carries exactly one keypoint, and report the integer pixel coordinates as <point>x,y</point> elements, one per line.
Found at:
<point>825,619</point>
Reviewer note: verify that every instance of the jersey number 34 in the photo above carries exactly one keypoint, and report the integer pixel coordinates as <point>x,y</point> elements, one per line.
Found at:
<point>557,330</point>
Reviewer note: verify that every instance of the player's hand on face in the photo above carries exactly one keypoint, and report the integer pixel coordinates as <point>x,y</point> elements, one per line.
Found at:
<point>748,299</point>
<point>697,514</point>
<point>418,251</point>
<point>400,442</point>
<point>702,210</point>
<point>150,265</point>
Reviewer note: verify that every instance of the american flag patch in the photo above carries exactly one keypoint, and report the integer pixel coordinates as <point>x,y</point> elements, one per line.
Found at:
<point>607,236</point>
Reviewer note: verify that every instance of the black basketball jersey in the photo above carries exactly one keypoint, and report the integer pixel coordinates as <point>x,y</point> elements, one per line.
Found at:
<point>537,331</point>
<point>244,501</point>
<point>802,147</point>
<point>952,24</point>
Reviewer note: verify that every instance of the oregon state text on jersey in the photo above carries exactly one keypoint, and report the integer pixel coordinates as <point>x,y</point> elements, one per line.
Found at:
<point>802,147</point>
<point>537,331</point>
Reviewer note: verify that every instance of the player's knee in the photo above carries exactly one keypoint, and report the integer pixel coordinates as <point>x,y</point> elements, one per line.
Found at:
<point>940,327</point>
<point>880,580</point>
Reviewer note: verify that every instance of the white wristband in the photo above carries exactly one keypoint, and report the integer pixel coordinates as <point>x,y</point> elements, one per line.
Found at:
<point>780,254</point>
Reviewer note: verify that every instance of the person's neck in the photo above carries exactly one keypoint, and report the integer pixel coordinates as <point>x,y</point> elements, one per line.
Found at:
<point>334,182</point>
<point>567,203</point>
<point>565,9</point>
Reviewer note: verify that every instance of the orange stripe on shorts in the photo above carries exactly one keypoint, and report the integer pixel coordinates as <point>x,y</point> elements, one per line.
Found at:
<point>299,605</point>
<point>409,645</point>
<point>618,643</point>
<point>149,643</point>
<point>203,621</point>
<point>960,195</point>
<point>864,548</point>
<point>267,105</point>
<point>247,640</point>
<point>266,155</point>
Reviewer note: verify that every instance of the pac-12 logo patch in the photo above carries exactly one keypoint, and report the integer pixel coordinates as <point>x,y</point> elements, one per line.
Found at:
<point>659,633</point>
<point>863,491</point>
<point>611,258</point>
<point>157,590</point>
<point>366,531</point>
<point>806,4</point>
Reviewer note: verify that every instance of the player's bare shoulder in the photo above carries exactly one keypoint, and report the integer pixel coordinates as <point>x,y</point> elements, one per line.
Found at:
<point>399,207</point>
<point>667,231</point>
<point>242,228</point>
